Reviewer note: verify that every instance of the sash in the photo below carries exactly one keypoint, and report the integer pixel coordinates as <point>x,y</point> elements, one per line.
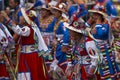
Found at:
<point>41,44</point>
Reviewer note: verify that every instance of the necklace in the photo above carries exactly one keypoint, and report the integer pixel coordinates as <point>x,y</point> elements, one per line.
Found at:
<point>45,22</point>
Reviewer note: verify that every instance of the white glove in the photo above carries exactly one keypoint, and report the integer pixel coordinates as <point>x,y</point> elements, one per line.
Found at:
<point>54,65</point>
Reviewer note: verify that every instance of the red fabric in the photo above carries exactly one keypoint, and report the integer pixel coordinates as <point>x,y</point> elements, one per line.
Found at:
<point>3,72</point>
<point>48,63</point>
<point>98,76</point>
<point>43,69</point>
<point>30,62</point>
<point>28,40</point>
<point>83,52</point>
<point>83,73</point>
<point>88,39</point>
<point>33,64</point>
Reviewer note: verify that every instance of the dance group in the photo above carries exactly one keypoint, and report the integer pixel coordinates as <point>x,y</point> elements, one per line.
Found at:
<point>60,40</point>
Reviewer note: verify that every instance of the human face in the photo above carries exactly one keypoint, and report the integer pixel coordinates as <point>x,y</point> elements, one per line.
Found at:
<point>44,12</point>
<point>56,13</point>
<point>8,10</point>
<point>12,3</point>
<point>74,35</point>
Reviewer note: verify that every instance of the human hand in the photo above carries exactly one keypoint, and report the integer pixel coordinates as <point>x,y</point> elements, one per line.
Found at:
<point>54,42</point>
<point>54,65</point>
<point>93,31</point>
<point>4,14</point>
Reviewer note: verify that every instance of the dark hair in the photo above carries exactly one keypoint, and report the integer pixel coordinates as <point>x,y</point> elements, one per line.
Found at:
<point>17,1</point>
<point>102,18</point>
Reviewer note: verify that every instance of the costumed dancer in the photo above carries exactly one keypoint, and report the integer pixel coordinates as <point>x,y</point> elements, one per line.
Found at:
<point>108,68</point>
<point>108,7</point>
<point>115,27</point>
<point>3,70</point>
<point>46,27</point>
<point>5,46</point>
<point>84,62</point>
<point>29,67</point>
<point>60,41</point>
<point>75,12</point>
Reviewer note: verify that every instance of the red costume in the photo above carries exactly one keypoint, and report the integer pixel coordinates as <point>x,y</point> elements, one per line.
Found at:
<point>30,65</point>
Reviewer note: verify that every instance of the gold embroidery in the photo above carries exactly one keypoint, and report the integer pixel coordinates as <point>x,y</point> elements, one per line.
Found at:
<point>44,23</point>
<point>61,19</point>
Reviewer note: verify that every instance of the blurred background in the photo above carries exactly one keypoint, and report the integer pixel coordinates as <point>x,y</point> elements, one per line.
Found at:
<point>4,3</point>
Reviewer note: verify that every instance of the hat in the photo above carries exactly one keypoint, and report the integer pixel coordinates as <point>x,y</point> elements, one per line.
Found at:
<point>52,3</point>
<point>61,7</point>
<point>77,26</point>
<point>31,6</point>
<point>99,12</point>
<point>29,16</point>
<point>72,10</point>
<point>45,7</point>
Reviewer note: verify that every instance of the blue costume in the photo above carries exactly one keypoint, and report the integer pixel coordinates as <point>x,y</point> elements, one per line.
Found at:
<point>49,30</point>
<point>108,8</point>
<point>78,10</point>
<point>108,68</point>
<point>62,35</point>
<point>102,32</point>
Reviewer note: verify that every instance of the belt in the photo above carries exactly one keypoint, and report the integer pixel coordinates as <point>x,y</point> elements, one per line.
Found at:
<point>29,49</point>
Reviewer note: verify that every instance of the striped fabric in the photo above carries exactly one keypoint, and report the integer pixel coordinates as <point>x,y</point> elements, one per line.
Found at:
<point>108,68</point>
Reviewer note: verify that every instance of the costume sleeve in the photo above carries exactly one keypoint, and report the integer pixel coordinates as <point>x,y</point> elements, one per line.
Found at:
<point>3,39</point>
<point>66,34</point>
<point>82,10</point>
<point>102,31</point>
<point>110,9</point>
<point>24,31</point>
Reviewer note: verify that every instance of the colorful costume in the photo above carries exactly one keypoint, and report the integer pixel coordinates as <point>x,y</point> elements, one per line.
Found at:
<point>61,39</point>
<point>5,45</point>
<point>109,8</point>
<point>62,35</point>
<point>108,68</point>
<point>83,63</point>
<point>116,32</point>
<point>47,31</point>
<point>30,66</point>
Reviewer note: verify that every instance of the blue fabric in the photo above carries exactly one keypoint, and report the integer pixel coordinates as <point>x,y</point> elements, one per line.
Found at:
<point>63,31</point>
<point>72,10</point>
<point>102,31</point>
<point>38,3</point>
<point>83,11</point>
<point>61,56</point>
<point>19,15</point>
<point>113,68</point>
<point>110,9</point>
<point>36,20</point>
<point>50,27</point>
